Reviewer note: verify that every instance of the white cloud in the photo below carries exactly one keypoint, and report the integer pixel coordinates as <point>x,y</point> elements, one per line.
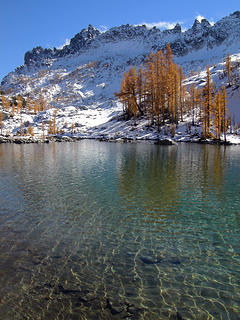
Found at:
<point>200,18</point>
<point>102,28</point>
<point>160,25</point>
<point>67,42</point>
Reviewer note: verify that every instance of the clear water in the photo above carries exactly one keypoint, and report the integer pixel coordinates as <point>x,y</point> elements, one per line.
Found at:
<point>93,230</point>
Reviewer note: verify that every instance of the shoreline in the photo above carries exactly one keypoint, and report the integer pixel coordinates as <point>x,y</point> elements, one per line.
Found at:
<point>66,138</point>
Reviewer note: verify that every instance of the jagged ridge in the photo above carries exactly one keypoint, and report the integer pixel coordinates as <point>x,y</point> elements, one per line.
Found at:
<point>80,79</point>
<point>199,35</point>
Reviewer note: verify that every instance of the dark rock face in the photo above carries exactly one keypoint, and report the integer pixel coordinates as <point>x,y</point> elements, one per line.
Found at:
<point>199,35</point>
<point>124,32</point>
<point>165,142</point>
<point>179,48</point>
<point>80,41</point>
<point>236,14</point>
<point>36,55</point>
<point>5,115</point>
<point>177,28</point>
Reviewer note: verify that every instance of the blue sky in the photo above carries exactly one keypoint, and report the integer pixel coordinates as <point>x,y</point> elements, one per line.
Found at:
<point>28,23</point>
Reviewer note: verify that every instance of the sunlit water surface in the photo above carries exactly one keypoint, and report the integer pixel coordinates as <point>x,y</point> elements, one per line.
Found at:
<point>93,230</point>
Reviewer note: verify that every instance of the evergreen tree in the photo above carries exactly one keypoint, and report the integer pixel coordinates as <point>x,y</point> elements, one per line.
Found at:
<point>224,112</point>
<point>217,115</point>
<point>5,103</point>
<point>194,101</point>
<point>28,105</point>
<point>54,127</point>
<point>140,90</point>
<point>1,121</point>
<point>207,104</point>
<point>13,108</point>
<point>19,104</point>
<point>43,130</point>
<point>36,107</point>
<point>228,66</point>
<point>158,91</point>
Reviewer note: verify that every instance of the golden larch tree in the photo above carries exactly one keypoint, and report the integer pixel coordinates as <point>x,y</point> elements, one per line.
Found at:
<point>36,107</point>
<point>228,66</point>
<point>207,104</point>
<point>217,115</point>
<point>224,112</point>
<point>1,121</point>
<point>19,104</point>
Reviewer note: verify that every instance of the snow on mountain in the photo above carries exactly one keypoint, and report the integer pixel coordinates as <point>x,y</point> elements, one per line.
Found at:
<point>80,79</point>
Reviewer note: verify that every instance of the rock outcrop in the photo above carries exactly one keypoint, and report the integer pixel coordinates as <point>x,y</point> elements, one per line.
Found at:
<point>199,35</point>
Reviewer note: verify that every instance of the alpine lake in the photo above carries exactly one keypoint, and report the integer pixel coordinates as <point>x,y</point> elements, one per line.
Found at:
<point>97,230</point>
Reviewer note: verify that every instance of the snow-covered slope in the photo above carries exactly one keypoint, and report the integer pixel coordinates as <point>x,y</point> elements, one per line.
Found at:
<point>80,79</point>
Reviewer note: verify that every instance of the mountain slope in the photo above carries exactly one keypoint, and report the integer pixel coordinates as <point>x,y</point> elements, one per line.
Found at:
<point>80,79</point>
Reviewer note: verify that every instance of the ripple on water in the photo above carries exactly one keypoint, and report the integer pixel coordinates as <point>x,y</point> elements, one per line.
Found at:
<point>103,231</point>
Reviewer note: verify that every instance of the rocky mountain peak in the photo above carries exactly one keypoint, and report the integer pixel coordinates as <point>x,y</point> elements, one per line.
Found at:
<point>80,40</point>
<point>201,34</point>
<point>236,14</point>
<point>196,24</point>
<point>177,28</point>
<point>203,24</point>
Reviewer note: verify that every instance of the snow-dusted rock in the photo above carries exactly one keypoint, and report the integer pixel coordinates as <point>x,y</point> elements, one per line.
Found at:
<point>80,79</point>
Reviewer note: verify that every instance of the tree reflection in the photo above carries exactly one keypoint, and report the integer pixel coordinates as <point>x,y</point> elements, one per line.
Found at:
<point>151,180</point>
<point>162,179</point>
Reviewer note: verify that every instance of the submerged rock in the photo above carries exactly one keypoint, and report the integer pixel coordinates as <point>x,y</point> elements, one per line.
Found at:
<point>148,261</point>
<point>165,142</point>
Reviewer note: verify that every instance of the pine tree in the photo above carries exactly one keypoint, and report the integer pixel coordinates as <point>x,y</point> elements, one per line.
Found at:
<point>128,93</point>
<point>194,101</point>
<point>43,130</point>
<point>50,129</point>
<point>28,105</point>
<point>172,130</point>
<point>228,66</point>
<point>140,90</point>
<point>40,104</point>
<point>182,93</point>
<point>169,55</point>
<point>44,105</point>
<point>54,122</point>
<point>122,95</point>
<point>157,87</point>
<point>158,91</point>
<point>5,103</point>
<point>149,85</point>
<point>1,121</point>
<point>36,107</point>
<point>177,89</point>
<point>21,126</point>
<point>132,87</point>
<point>207,104</point>
<point>217,115</point>
<point>30,130</point>
<point>161,87</point>
<point>19,104</point>
<point>169,82</point>
<point>224,112</point>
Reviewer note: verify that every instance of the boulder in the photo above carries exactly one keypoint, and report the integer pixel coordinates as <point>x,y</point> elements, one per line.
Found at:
<point>165,142</point>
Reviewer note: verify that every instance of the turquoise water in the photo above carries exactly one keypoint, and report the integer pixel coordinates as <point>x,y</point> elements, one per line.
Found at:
<point>94,230</point>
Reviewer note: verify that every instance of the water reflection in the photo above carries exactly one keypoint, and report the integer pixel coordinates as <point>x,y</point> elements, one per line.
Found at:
<point>100,231</point>
<point>150,181</point>
<point>159,178</point>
